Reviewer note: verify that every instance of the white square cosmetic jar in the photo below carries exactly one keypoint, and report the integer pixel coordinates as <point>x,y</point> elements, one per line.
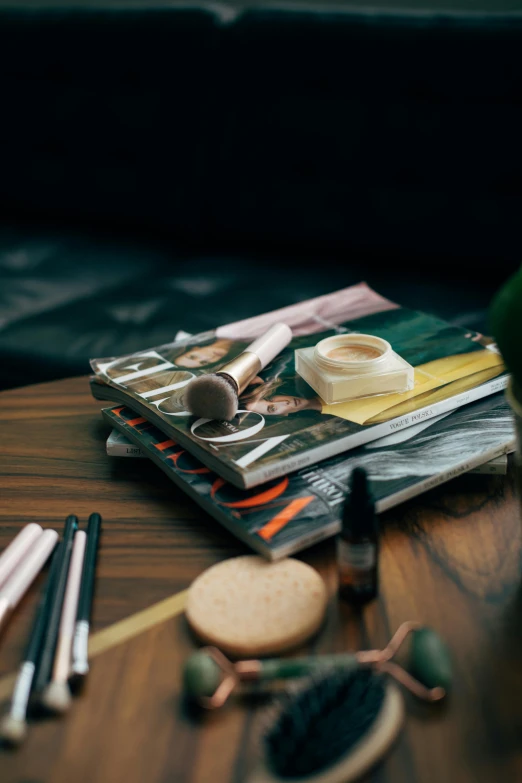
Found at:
<point>349,366</point>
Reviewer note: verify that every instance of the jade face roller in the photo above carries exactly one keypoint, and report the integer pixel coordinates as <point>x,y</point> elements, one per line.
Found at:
<point>209,677</point>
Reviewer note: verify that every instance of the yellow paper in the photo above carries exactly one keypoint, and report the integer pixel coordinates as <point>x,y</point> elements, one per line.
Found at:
<point>436,395</point>
<point>432,375</point>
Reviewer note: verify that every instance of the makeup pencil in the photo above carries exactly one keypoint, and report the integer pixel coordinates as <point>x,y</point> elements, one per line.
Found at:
<point>80,661</point>
<point>17,584</point>
<point>45,663</point>
<point>14,726</point>
<point>17,549</point>
<point>57,697</point>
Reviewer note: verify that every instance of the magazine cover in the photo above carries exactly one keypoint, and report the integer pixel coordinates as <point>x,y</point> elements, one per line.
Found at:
<point>118,445</point>
<point>292,512</point>
<point>282,425</point>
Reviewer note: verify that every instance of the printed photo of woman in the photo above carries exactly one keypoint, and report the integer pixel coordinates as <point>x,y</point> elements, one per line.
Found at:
<point>264,398</point>
<point>194,353</point>
<point>203,356</point>
<point>280,392</point>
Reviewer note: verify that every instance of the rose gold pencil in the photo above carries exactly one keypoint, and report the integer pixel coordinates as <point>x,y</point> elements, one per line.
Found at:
<point>57,696</point>
<point>15,552</point>
<point>17,584</point>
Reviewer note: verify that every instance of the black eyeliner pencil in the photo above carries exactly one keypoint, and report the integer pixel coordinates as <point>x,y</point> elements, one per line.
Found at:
<point>45,664</point>
<point>80,656</point>
<point>14,726</point>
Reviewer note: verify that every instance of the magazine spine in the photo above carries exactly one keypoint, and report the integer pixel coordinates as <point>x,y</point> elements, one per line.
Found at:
<point>399,497</point>
<point>319,533</point>
<point>211,509</point>
<point>434,481</point>
<point>495,467</point>
<point>119,449</point>
<point>252,478</point>
<point>325,451</point>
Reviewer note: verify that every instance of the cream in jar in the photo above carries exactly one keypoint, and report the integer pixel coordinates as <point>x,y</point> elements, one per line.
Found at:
<point>349,366</point>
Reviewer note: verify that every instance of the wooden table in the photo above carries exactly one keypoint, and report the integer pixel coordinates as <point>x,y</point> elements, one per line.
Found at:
<point>451,559</point>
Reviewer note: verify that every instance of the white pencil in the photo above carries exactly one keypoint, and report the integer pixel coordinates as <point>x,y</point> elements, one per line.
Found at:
<point>15,552</point>
<point>57,695</point>
<point>80,654</point>
<point>16,585</point>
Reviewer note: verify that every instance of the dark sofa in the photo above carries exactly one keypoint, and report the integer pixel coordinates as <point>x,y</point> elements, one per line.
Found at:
<point>179,168</point>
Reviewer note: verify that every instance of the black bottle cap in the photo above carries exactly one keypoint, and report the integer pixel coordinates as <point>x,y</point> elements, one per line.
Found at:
<point>359,510</point>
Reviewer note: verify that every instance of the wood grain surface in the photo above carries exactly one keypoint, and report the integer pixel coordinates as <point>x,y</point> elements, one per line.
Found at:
<point>451,559</point>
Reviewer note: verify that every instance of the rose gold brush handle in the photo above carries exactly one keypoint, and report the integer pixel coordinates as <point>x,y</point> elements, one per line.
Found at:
<point>256,356</point>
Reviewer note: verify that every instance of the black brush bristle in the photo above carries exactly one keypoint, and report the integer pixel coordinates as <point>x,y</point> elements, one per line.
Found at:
<point>323,721</point>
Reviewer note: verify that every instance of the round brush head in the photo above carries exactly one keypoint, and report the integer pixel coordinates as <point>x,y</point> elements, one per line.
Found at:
<point>57,697</point>
<point>212,397</point>
<point>333,729</point>
<point>12,730</point>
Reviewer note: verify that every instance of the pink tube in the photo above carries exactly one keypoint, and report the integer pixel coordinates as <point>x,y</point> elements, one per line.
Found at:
<point>20,580</point>
<point>15,552</point>
<point>62,660</point>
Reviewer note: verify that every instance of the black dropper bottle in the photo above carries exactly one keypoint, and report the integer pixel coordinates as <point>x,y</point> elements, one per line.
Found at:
<point>358,543</point>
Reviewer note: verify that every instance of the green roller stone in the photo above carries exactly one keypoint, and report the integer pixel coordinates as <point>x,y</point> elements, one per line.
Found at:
<point>429,659</point>
<point>201,676</point>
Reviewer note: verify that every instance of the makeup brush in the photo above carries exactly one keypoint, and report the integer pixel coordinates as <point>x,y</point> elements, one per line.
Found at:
<point>80,658</point>
<point>14,725</point>
<point>57,697</point>
<point>45,663</point>
<point>26,571</point>
<point>16,550</point>
<point>215,395</point>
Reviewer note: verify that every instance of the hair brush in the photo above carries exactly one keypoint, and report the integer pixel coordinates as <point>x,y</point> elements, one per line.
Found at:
<point>333,729</point>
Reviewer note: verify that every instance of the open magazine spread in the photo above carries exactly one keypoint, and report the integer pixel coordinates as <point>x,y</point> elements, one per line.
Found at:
<point>292,512</point>
<point>282,425</point>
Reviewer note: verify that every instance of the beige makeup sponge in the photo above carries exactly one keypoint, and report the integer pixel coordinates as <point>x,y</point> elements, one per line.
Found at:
<point>249,607</point>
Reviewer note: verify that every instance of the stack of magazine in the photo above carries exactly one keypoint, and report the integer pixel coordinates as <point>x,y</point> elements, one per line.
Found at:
<point>278,474</point>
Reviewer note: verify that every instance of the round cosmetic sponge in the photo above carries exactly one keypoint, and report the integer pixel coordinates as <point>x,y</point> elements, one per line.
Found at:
<point>249,607</point>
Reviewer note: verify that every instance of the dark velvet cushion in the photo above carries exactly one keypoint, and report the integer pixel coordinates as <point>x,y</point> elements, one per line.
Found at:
<point>66,298</point>
<point>385,133</point>
<point>107,114</point>
<point>389,134</point>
